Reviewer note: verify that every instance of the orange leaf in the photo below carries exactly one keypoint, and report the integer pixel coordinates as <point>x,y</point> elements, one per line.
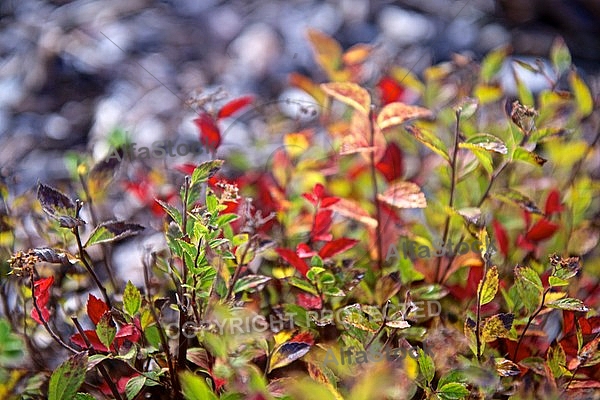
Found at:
<point>404,195</point>
<point>357,54</point>
<point>397,113</point>
<point>306,84</point>
<point>353,210</point>
<point>349,93</point>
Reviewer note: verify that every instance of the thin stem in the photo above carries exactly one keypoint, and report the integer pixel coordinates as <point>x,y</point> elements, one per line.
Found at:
<point>529,321</point>
<point>183,308</point>
<point>161,332</point>
<point>379,242</point>
<point>478,318</point>
<point>88,267</point>
<point>381,328</point>
<point>103,246</point>
<point>452,189</point>
<point>40,315</point>
<point>101,369</point>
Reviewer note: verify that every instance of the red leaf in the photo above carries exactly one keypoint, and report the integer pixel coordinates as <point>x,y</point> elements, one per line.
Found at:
<point>304,251</point>
<point>41,292</point>
<point>304,337</point>
<point>318,198</point>
<point>234,106</point>
<point>292,258</point>
<point>309,301</point>
<point>210,136</point>
<point>187,168</point>
<point>336,247</point>
<point>543,229</point>
<point>322,225</point>
<point>390,90</point>
<point>127,332</point>
<point>92,337</point>
<point>96,308</point>
<point>553,204</point>
<point>524,243</point>
<point>501,237</point>
<point>390,164</point>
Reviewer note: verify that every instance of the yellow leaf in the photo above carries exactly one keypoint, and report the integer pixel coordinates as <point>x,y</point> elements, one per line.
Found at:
<point>583,97</point>
<point>357,54</point>
<point>296,143</point>
<point>306,84</point>
<point>328,52</point>
<point>490,286</point>
<point>349,93</point>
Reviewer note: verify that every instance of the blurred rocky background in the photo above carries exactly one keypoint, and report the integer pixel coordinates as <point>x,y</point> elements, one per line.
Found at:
<point>73,71</point>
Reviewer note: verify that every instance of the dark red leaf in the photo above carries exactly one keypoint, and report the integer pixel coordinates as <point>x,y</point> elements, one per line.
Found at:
<point>336,247</point>
<point>501,237</point>
<point>92,337</point>
<point>309,301</point>
<point>127,333</point>
<point>210,136</point>
<point>96,308</point>
<point>553,204</point>
<point>390,164</point>
<point>543,229</point>
<point>292,258</point>
<point>390,90</point>
<point>234,106</point>
<point>41,292</point>
<point>322,226</point>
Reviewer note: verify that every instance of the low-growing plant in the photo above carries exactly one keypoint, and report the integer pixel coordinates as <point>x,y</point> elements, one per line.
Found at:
<point>265,273</point>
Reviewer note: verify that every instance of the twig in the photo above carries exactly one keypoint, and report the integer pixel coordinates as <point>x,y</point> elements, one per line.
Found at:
<point>452,189</point>
<point>161,332</point>
<point>379,242</point>
<point>529,321</point>
<point>103,246</point>
<point>101,369</point>
<point>41,317</point>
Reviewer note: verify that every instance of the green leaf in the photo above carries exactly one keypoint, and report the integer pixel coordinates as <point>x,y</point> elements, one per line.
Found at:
<point>429,292</point>
<point>172,211</point>
<point>11,345</point>
<point>521,154</point>
<point>513,197</point>
<point>211,203</point>
<point>554,281</point>
<point>302,284</point>
<point>426,366</point>
<point>205,170</point>
<point>247,283</point>
<point>583,96</point>
<point>557,360</point>
<point>106,330</point>
<point>490,286</point>
<point>529,287</point>
<point>132,299</point>
<point>485,141</point>
<point>560,56</point>
<point>84,396</point>
<point>134,386</point>
<point>430,140</point>
<point>569,304</point>
<point>453,391</point>
<point>112,231</point>
<point>194,387</point>
<point>492,63</point>
<point>68,377</point>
